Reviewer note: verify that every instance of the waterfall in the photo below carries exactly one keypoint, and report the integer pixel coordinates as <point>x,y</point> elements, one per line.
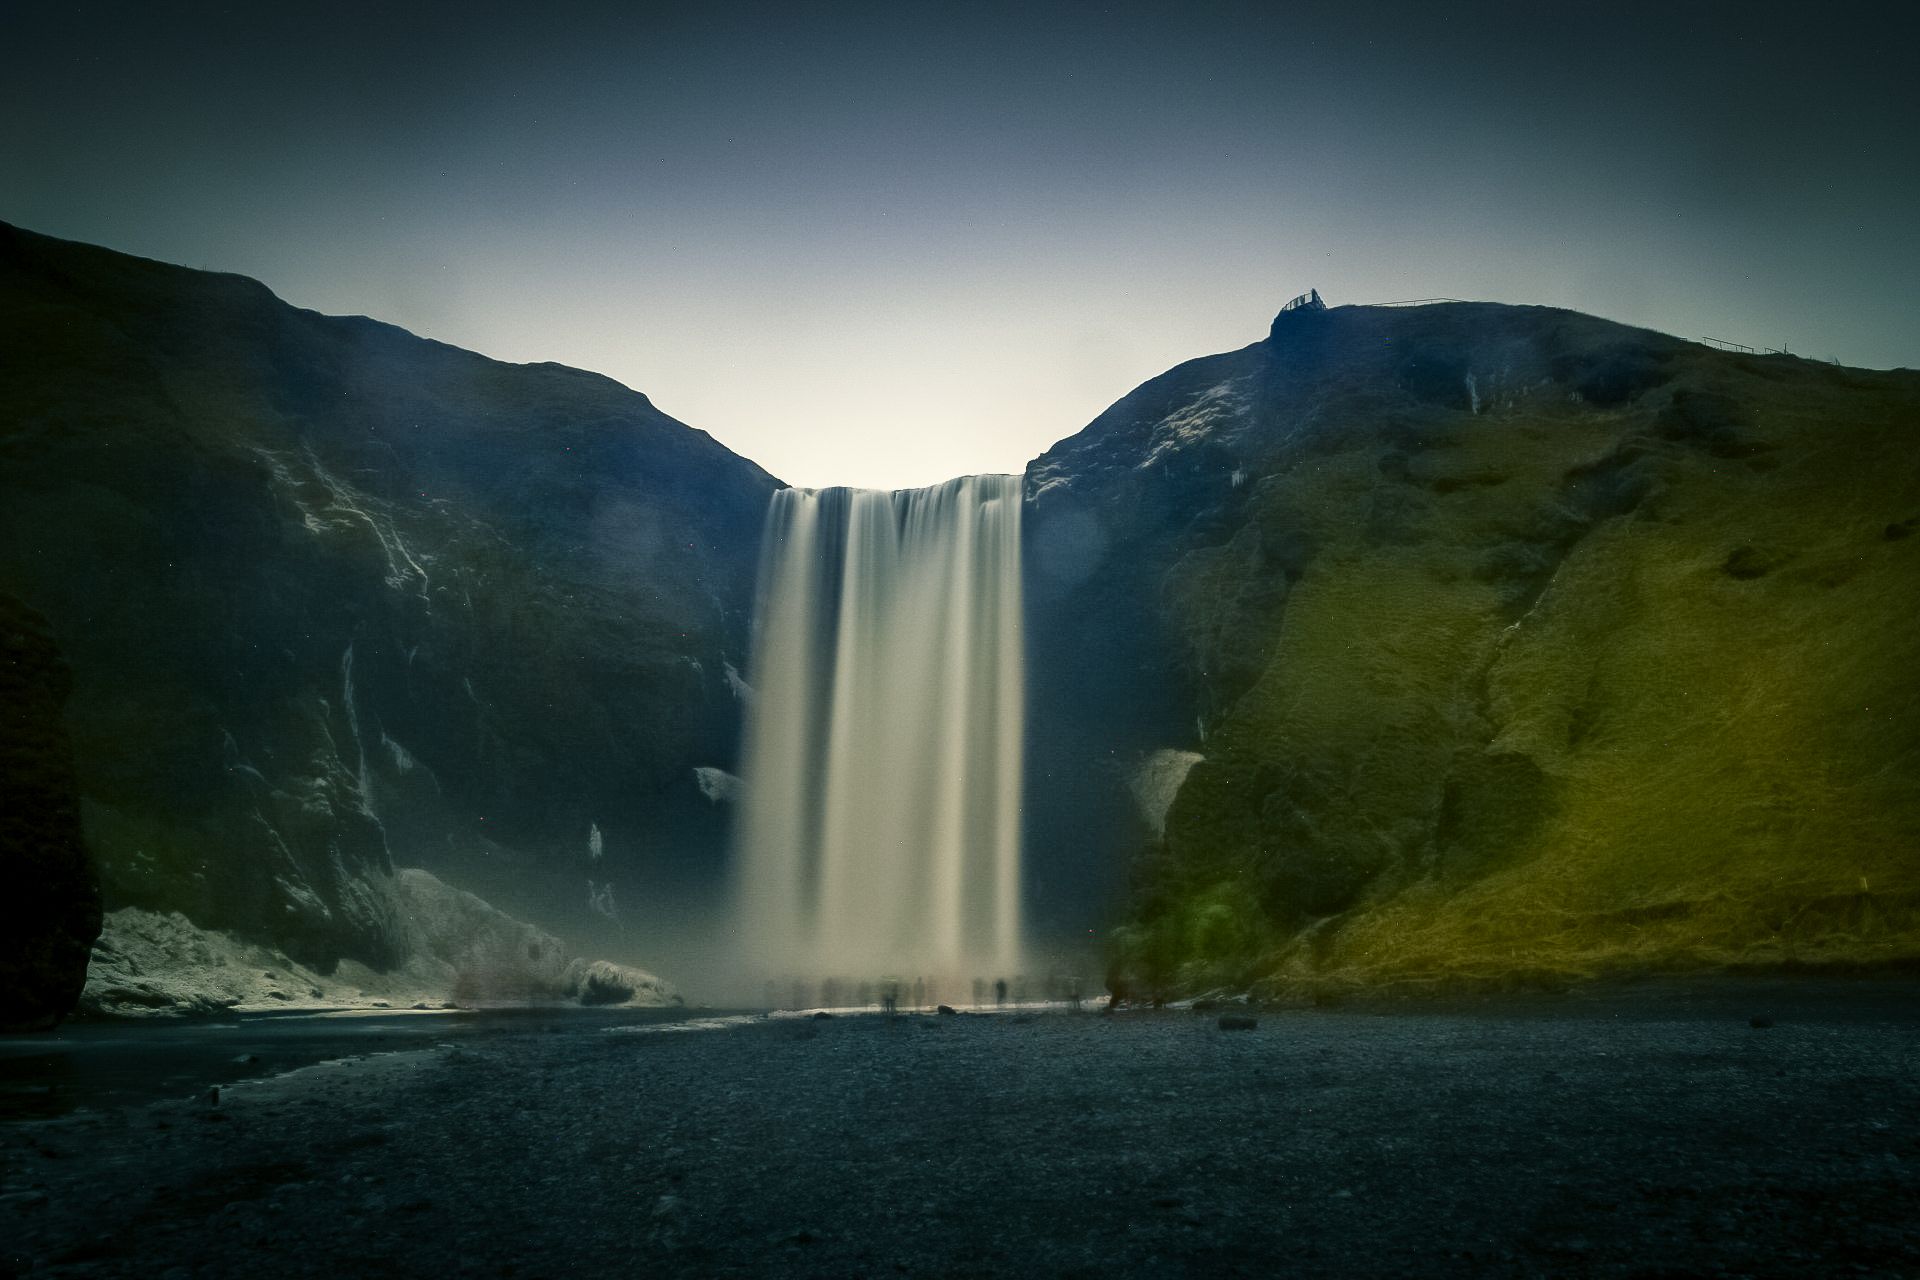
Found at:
<point>879,826</point>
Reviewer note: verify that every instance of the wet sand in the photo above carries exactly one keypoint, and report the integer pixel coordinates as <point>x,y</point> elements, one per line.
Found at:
<point>1639,1131</point>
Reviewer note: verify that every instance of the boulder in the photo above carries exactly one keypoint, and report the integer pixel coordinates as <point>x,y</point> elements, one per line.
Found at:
<point>604,982</point>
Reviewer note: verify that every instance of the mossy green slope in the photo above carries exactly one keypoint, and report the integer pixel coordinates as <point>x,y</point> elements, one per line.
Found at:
<point>1540,648</point>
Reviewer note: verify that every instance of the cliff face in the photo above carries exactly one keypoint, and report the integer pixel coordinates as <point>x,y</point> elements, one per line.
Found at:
<point>1511,642</point>
<point>50,913</point>
<point>336,596</point>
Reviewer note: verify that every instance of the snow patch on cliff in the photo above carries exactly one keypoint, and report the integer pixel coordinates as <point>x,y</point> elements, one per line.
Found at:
<point>717,785</point>
<point>460,952</point>
<point>328,505</point>
<point>403,761</point>
<point>741,689</point>
<point>604,982</point>
<point>1201,418</point>
<point>1157,780</point>
<point>148,963</point>
<point>1044,477</point>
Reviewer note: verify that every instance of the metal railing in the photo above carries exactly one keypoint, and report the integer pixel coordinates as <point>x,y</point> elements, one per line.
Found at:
<point>1741,347</point>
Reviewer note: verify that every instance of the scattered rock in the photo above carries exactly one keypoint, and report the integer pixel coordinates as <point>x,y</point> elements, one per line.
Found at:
<point>946,1011</point>
<point>821,1014</point>
<point>1760,1022</point>
<point>1237,1022</point>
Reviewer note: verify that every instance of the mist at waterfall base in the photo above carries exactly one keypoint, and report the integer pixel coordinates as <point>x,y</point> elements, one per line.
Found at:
<point>878,835</point>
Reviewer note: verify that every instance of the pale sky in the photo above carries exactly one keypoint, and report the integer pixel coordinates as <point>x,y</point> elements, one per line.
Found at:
<point>887,244</point>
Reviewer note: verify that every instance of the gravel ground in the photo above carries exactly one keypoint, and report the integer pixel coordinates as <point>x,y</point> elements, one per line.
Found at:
<point>1649,1131</point>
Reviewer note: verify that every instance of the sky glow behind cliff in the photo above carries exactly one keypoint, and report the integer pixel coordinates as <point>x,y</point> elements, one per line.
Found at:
<point>888,244</point>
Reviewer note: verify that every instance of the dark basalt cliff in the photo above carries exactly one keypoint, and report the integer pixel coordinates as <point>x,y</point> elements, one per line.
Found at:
<point>50,911</point>
<point>336,596</point>
<point>1499,641</point>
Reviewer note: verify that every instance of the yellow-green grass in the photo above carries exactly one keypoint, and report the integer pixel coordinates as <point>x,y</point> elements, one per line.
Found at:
<point>1690,739</point>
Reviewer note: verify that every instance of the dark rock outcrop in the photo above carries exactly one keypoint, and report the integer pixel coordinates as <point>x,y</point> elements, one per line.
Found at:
<point>50,902</point>
<point>342,599</point>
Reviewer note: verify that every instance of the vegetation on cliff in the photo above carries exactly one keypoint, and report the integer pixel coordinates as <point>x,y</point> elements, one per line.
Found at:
<point>1526,647</point>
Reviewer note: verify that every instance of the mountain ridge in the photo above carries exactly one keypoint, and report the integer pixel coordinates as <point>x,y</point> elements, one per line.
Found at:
<point>26,237</point>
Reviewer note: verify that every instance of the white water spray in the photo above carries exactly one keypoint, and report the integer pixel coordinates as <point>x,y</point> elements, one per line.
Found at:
<point>880,820</point>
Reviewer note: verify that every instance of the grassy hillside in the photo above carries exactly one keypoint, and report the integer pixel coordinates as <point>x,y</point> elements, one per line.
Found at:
<point>1530,647</point>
